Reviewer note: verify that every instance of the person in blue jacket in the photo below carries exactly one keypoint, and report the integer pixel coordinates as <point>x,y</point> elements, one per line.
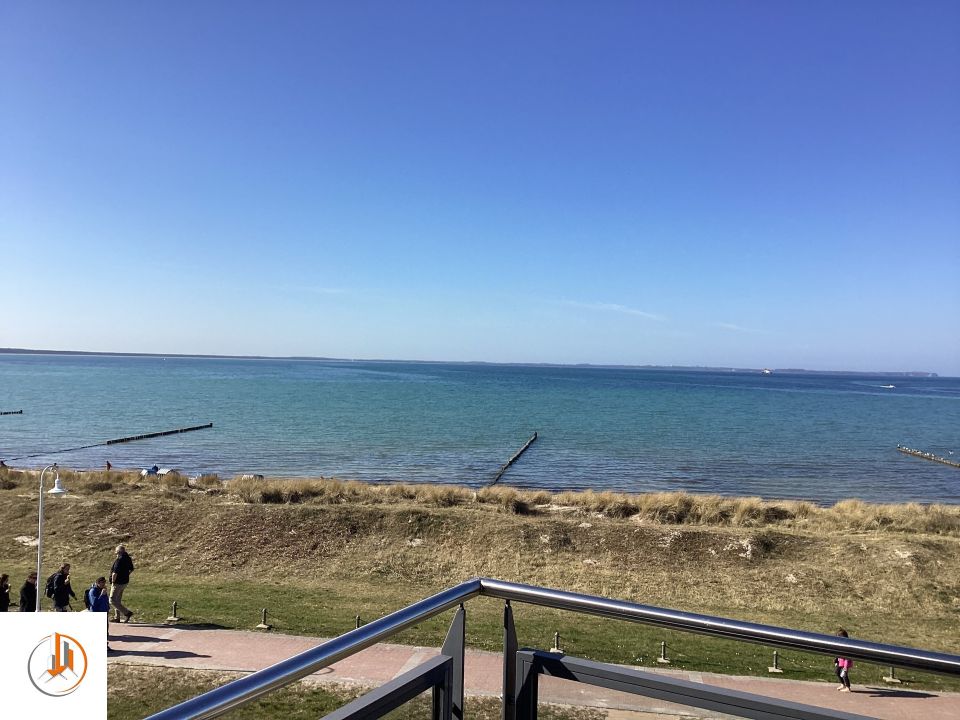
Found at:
<point>98,600</point>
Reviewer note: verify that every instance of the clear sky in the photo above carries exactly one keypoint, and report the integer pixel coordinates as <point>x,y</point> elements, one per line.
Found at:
<point>699,183</point>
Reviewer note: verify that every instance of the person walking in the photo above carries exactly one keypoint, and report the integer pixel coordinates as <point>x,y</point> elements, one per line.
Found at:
<point>4,592</point>
<point>28,594</point>
<point>62,592</point>
<point>119,579</point>
<point>841,666</point>
<point>98,600</point>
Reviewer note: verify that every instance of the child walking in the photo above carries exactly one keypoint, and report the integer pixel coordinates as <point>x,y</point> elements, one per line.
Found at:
<point>841,666</point>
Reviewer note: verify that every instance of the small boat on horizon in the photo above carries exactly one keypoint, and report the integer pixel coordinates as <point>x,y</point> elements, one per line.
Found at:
<point>888,387</point>
<point>766,371</point>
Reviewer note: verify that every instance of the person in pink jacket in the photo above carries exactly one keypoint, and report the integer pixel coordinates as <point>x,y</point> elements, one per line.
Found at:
<point>841,666</point>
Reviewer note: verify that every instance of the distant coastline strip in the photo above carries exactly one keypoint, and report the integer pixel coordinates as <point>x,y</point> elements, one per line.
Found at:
<point>115,441</point>
<point>927,456</point>
<point>513,459</point>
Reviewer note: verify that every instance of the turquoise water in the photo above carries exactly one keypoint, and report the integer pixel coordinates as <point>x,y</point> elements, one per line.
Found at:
<point>820,437</point>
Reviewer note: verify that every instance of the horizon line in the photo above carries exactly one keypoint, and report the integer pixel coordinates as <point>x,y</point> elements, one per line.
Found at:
<point>318,358</point>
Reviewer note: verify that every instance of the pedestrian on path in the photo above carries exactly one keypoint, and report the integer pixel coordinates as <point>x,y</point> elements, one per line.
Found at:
<point>4,592</point>
<point>28,594</point>
<point>841,666</point>
<point>98,600</point>
<point>62,592</point>
<point>119,579</point>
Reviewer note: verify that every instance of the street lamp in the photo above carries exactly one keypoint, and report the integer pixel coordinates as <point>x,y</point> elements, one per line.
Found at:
<point>56,492</point>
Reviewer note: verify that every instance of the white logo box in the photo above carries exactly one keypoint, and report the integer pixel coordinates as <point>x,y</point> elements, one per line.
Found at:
<point>54,663</point>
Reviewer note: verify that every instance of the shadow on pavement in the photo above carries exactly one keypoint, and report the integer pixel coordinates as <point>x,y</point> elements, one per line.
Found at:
<point>136,638</point>
<point>178,626</point>
<point>892,693</point>
<point>171,655</point>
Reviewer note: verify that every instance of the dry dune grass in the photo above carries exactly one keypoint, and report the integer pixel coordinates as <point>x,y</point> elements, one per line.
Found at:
<point>675,508</point>
<point>667,508</point>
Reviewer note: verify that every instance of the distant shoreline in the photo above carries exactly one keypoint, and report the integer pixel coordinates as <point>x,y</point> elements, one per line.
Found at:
<point>591,366</point>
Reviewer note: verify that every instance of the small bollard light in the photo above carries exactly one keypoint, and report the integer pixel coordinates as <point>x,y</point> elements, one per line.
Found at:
<point>358,622</point>
<point>776,663</point>
<point>556,644</point>
<point>263,621</point>
<point>663,654</point>
<point>173,615</point>
<point>892,677</point>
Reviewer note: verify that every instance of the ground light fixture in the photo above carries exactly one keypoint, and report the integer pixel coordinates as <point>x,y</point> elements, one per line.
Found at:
<point>57,490</point>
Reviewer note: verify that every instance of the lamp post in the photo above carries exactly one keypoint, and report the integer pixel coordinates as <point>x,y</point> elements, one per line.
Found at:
<point>56,491</point>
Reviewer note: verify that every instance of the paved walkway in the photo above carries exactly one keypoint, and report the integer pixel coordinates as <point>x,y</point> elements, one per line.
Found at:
<point>214,649</point>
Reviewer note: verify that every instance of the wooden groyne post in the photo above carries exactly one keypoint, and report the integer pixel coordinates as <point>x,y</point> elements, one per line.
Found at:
<point>927,456</point>
<point>146,436</point>
<point>11,412</point>
<point>513,459</point>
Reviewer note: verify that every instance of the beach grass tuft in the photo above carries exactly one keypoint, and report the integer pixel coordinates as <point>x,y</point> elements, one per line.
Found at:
<point>661,508</point>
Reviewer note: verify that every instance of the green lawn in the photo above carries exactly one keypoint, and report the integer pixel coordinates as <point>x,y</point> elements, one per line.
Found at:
<point>322,610</point>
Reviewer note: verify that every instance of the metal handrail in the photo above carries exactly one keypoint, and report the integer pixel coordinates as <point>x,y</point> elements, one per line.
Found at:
<point>901,657</point>
<point>243,690</point>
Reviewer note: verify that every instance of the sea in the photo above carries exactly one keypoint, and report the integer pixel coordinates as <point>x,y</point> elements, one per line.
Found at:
<point>819,437</point>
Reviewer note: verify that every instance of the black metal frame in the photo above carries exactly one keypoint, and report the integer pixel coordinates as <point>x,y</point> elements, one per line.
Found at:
<point>530,664</point>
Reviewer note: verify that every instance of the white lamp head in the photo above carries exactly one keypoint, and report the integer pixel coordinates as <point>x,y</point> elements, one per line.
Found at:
<point>58,488</point>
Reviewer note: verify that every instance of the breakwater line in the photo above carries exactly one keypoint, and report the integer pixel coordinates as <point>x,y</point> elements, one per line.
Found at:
<point>513,459</point>
<point>927,456</point>
<point>11,412</point>
<point>115,441</point>
<point>147,436</point>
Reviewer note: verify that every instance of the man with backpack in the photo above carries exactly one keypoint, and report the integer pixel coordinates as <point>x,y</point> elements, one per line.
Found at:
<point>58,588</point>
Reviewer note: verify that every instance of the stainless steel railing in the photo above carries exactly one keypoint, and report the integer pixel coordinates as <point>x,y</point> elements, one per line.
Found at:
<point>226,697</point>
<point>881,654</point>
<point>243,690</point>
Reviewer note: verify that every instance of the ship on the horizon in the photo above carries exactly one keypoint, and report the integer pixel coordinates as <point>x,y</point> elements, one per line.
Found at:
<point>766,371</point>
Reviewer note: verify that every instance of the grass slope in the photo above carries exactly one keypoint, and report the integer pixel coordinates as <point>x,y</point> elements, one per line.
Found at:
<point>318,553</point>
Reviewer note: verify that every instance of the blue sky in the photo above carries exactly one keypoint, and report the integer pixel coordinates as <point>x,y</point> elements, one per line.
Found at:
<point>698,183</point>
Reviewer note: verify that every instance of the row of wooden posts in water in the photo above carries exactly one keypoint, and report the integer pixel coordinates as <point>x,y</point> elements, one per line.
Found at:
<point>927,456</point>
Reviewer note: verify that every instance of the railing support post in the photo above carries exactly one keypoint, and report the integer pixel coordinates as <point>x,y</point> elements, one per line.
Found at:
<point>443,697</point>
<point>453,647</point>
<point>509,710</point>
<point>528,689</point>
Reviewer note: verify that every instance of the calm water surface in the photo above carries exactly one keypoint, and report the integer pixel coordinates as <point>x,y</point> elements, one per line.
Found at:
<point>821,437</point>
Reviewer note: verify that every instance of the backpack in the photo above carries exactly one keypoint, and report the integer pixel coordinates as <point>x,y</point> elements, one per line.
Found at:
<point>48,590</point>
<point>87,603</point>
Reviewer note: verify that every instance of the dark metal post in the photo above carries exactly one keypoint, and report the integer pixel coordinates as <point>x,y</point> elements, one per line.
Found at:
<point>528,688</point>
<point>453,647</point>
<point>509,711</point>
<point>443,696</point>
